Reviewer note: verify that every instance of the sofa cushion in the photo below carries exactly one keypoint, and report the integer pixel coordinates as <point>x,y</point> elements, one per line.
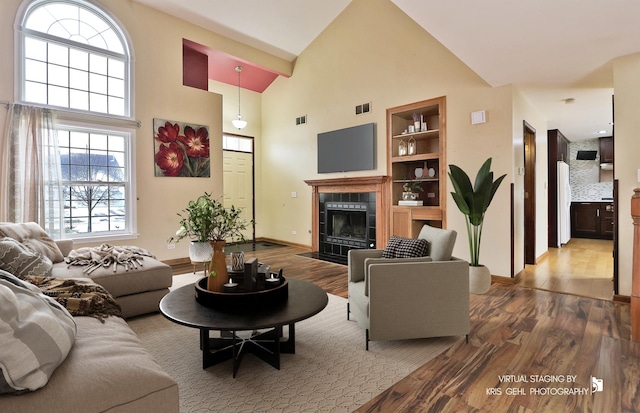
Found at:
<point>151,275</point>
<point>441,242</point>
<point>36,333</point>
<point>107,370</point>
<point>399,247</point>
<point>34,237</point>
<point>17,259</point>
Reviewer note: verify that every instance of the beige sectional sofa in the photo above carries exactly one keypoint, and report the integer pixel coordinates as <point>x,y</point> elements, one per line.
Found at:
<point>138,291</point>
<point>107,369</point>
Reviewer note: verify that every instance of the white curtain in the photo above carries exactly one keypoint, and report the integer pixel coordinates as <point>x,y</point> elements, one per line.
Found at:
<point>30,174</point>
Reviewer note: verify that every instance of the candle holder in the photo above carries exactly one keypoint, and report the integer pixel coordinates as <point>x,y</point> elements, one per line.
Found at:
<point>402,148</point>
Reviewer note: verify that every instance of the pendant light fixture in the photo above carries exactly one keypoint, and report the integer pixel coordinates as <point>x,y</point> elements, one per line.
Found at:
<point>239,123</point>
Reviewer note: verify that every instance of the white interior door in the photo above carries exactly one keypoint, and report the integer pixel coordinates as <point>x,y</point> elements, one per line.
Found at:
<point>238,185</point>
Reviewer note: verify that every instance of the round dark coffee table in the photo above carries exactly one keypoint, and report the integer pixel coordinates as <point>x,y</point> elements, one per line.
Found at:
<point>305,300</point>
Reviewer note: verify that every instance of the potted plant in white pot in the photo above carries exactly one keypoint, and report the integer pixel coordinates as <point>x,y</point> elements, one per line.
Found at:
<point>473,201</point>
<point>196,222</point>
<point>208,222</point>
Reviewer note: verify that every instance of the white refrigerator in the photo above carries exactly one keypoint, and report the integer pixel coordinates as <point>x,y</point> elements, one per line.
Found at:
<point>564,204</point>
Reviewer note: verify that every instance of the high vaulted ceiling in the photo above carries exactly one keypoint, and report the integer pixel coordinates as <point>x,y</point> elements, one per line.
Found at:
<point>552,50</point>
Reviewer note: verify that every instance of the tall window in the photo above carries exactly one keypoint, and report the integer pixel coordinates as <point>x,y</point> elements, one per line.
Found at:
<point>75,59</point>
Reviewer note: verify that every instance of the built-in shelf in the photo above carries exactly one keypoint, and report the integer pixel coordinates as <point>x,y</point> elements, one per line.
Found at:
<point>418,135</point>
<point>410,157</point>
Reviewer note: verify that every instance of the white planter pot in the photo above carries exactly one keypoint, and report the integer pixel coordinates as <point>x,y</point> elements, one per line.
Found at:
<point>200,251</point>
<point>479,279</point>
<point>409,196</point>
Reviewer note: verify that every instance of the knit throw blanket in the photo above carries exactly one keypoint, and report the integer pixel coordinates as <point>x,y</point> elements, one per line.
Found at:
<point>108,256</point>
<point>80,298</point>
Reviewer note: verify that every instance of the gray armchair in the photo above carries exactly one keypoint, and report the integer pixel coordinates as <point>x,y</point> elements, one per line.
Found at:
<point>405,298</point>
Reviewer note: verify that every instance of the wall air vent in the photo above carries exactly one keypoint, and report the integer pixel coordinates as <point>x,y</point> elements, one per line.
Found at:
<point>301,120</point>
<point>586,155</point>
<point>364,108</point>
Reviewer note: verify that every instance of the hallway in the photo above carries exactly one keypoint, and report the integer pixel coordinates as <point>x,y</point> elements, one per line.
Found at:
<point>582,267</point>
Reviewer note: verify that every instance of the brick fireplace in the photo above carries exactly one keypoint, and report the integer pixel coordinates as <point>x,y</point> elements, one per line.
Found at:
<point>348,213</point>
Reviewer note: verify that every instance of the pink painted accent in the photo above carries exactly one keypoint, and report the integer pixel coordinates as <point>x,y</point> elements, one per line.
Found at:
<point>194,68</point>
<point>222,68</point>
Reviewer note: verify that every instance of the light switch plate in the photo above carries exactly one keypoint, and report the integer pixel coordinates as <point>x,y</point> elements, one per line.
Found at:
<point>478,117</point>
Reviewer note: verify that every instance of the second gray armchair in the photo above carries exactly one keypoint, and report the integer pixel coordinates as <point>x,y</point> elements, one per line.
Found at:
<point>405,298</point>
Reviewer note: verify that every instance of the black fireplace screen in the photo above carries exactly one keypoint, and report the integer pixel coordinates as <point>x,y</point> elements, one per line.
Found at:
<point>345,221</point>
<point>347,224</point>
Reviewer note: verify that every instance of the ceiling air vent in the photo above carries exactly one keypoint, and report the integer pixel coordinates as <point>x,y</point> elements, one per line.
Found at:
<point>586,155</point>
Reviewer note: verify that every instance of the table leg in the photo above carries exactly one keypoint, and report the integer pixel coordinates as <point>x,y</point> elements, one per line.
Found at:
<point>289,346</point>
<point>267,346</point>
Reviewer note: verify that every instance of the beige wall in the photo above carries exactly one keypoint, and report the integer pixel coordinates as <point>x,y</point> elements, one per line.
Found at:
<point>626,82</point>
<point>374,52</point>
<point>157,44</point>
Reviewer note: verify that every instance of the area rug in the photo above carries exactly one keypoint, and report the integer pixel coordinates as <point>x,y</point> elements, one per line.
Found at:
<point>330,372</point>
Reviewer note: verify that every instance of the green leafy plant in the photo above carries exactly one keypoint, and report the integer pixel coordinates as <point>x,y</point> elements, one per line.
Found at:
<point>473,201</point>
<point>412,186</point>
<point>206,219</point>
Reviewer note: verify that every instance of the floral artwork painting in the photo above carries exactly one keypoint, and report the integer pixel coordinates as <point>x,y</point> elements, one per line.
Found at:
<point>181,149</point>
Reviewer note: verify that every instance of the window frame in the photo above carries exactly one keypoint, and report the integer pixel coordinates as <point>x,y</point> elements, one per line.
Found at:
<point>67,118</point>
<point>130,184</point>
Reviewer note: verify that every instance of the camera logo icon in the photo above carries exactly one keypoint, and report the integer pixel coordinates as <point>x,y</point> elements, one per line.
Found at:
<point>596,385</point>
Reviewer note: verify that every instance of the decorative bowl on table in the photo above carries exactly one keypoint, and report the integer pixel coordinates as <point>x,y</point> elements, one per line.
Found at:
<point>275,293</point>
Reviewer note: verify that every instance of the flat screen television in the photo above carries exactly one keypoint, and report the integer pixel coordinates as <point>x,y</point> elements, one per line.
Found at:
<point>349,149</point>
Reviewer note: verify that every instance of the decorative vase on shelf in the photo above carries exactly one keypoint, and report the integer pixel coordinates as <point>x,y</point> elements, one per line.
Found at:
<point>200,251</point>
<point>409,196</point>
<point>218,275</point>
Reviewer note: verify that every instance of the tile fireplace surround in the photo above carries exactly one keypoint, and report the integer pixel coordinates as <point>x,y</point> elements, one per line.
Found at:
<point>368,189</point>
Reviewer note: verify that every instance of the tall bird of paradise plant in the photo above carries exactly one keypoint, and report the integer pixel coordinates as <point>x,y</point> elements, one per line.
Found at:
<point>473,201</point>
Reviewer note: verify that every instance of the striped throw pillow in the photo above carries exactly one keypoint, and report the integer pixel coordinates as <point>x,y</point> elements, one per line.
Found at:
<point>36,333</point>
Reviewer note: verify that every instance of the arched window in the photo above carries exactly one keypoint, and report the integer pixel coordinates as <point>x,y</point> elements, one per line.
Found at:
<point>74,56</point>
<point>75,59</point>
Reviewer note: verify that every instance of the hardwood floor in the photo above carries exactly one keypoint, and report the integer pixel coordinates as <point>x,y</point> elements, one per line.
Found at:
<point>582,267</point>
<point>517,332</point>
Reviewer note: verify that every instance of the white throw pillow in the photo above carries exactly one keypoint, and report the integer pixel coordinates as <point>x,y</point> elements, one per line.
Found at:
<point>36,334</point>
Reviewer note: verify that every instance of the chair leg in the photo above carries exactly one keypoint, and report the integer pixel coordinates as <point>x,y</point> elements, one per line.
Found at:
<point>366,334</point>
<point>348,310</point>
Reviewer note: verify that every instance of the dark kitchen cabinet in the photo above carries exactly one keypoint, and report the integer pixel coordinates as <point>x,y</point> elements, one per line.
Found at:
<point>592,220</point>
<point>557,146</point>
<point>606,221</point>
<point>606,150</point>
